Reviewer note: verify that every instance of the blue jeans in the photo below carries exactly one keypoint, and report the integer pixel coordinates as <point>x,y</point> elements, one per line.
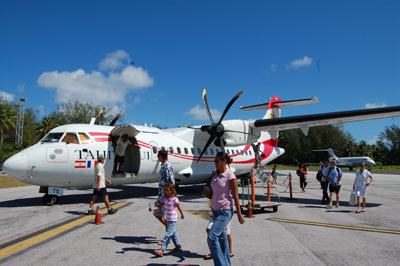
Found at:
<point>217,239</point>
<point>170,234</point>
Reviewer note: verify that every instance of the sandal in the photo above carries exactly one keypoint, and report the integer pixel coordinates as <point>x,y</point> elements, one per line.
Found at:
<point>208,256</point>
<point>363,210</point>
<point>159,252</point>
<point>358,211</point>
<point>160,242</point>
<point>232,255</point>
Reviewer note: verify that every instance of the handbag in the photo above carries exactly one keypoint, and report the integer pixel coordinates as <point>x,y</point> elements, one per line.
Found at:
<point>353,199</point>
<point>207,189</point>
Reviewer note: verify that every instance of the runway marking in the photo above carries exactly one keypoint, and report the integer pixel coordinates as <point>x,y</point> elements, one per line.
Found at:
<point>337,226</point>
<point>13,248</point>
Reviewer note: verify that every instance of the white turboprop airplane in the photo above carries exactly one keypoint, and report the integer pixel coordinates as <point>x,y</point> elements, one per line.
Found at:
<point>349,161</point>
<point>66,156</point>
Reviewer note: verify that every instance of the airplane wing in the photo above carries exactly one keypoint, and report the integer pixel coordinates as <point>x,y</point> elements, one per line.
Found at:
<point>304,122</point>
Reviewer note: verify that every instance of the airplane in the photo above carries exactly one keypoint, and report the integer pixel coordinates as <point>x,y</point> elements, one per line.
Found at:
<point>349,161</point>
<point>67,155</point>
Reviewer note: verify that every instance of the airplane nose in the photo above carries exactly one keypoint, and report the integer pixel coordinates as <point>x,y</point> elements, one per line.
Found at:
<point>16,166</point>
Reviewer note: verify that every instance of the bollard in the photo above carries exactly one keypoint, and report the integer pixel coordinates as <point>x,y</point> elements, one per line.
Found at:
<point>290,187</point>
<point>249,211</point>
<point>253,189</point>
<point>269,187</point>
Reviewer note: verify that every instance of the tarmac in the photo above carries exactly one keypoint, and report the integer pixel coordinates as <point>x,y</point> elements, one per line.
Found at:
<point>301,232</point>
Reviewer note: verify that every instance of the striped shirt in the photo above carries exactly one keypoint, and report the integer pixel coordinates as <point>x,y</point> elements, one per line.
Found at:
<point>170,208</point>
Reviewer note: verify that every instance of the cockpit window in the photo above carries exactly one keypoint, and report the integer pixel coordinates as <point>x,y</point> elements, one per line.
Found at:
<point>70,138</point>
<point>52,138</point>
<point>84,138</point>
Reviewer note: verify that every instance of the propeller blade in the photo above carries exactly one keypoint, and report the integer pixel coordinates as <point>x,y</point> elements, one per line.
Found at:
<point>229,106</point>
<point>210,140</point>
<point>115,119</point>
<point>206,106</point>
<point>221,143</point>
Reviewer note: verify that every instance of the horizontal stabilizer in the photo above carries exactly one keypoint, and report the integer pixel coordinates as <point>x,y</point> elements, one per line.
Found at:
<point>282,103</point>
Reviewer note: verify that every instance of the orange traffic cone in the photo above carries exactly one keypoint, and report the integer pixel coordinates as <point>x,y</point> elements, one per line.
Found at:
<point>97,220</point>
<point>249,211</point>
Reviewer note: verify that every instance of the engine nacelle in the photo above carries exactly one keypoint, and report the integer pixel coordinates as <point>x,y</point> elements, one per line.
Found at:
<point>242,133</point>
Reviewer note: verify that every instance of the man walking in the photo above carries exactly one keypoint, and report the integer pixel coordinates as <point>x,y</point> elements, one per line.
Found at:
<point>334,176</point>
<point>324,182</point>
<point>99,187</point>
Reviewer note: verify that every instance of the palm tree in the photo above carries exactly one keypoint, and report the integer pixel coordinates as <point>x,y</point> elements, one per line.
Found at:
<point>47,124</point>
<point>7,120</point>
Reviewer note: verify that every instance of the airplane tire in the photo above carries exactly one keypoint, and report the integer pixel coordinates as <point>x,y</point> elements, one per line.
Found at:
<point>50,199</point>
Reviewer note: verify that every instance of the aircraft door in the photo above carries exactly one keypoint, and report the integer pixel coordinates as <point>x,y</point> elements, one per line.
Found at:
<point>154,151</point>
<point>130,153</point>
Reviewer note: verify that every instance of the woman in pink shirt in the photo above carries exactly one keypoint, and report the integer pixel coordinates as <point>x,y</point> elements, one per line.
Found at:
<point>225,191</point>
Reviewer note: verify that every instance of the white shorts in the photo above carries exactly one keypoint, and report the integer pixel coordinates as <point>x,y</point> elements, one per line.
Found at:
<point>361,191</point>
<point>227,227</point>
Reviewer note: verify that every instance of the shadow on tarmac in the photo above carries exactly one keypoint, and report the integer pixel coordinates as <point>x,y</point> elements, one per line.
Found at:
<point>186,193</point>
<point>135,240</point>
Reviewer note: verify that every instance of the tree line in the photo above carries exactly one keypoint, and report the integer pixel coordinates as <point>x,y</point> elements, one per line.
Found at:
<point>298,147</point>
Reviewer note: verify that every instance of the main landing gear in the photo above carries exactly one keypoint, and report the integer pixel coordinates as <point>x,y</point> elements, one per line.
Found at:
<point>50,199</point>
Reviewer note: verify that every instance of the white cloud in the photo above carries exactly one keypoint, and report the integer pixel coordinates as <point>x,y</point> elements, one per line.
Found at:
<point>273,67</point>
<point>199,113</point>
<point>40,110</point>
<point>375,105</point>
<point>6,96</point>
<point>95,86</point>
<point>373,141</point>
<point>21,88</point>
<point>115,60</point>
<point>299,63</point>
<point>137,100</point>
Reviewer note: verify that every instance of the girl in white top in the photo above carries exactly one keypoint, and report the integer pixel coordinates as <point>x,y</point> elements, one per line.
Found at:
<point>360,186</point>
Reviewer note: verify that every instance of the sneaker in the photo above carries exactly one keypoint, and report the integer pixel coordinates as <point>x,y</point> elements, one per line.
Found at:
<point>91,212</point>
<point>329,207</point>
<point>112,211</point>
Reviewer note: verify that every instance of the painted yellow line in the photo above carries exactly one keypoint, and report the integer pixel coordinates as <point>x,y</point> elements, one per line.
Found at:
<point>51,233</point>
<point>337,226</point>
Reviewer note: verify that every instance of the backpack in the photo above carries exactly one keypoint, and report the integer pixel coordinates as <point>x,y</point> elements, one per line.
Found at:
<point>319,176</point>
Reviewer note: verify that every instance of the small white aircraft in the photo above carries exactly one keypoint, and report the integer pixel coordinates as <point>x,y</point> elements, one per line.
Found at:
<point>66,156</point>
<point>349,161</point>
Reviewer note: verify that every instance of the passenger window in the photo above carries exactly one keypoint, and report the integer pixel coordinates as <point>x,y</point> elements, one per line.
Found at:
<point>199,151</point>
<point>70,138</point>
<point>237,152</point>
<point>192,149</point>
<point>154,149</point>
<point>163,148</point>
<point>84,138</point>
<point>186,150</point>
<point>245,153</point>
<point>250,152</point>
<point>227,152</point>
<point>233,152</point>
<point>217,150</point>
<point>178,150</point>
<point>205,152</point>
<point>212,151</point>
<point>171,150</point>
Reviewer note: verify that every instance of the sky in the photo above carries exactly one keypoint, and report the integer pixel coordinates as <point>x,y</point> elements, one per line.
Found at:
<point>152,59</point>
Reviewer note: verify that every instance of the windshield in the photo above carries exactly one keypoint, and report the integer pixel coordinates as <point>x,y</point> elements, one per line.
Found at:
<point>52,137</point>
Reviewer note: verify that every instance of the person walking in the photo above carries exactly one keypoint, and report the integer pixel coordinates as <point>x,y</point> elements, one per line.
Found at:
<point>302,172</point>
<point>99,187</point>
<point>324,182</point>
<point>166,176</point>
<point>171,203</point>
<point>334,176</point>
<point>225,191</point>
<point>360,186</point>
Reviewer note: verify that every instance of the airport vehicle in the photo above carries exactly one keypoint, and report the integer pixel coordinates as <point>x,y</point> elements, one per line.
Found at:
<point>349,161</point>
<point>66,156</point>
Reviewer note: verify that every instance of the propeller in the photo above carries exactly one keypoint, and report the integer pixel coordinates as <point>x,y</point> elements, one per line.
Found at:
<point>215,130</point>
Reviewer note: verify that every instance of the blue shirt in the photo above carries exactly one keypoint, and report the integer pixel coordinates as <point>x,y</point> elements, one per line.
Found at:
<point>166,175</point>
<point>334,175</point>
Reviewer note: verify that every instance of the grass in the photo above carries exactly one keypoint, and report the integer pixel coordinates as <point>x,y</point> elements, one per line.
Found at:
<point>380,168</point>
<point>7,182</point>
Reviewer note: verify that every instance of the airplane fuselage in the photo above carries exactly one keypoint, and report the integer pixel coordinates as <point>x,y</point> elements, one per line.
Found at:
<point>67,164</point>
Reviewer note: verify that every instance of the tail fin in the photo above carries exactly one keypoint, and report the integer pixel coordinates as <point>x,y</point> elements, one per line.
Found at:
<point>330,152</point>
<point>273,111</point>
